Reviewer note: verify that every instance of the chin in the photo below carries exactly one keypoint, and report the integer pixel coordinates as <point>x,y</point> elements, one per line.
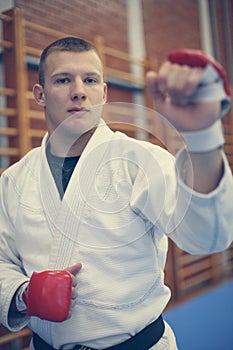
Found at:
<point>79,128</point>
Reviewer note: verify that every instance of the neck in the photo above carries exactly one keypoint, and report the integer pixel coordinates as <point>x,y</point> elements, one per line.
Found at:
<point>63,147</point>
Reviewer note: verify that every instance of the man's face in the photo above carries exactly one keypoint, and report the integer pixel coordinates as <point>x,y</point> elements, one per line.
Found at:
<point>73,85</point>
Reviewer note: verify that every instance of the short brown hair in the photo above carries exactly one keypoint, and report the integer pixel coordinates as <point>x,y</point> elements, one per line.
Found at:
<point>73,44</point>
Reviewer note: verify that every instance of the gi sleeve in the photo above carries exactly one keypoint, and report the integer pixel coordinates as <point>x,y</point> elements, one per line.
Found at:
<point>11,270</point>
<point>197,223</point>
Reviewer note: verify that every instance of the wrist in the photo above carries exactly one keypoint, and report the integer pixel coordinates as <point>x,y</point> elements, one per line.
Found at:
<point>20,298</point>
<point>205,140</point>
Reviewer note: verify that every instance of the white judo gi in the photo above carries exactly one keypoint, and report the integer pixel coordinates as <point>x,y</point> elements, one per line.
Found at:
<point>124,198</point>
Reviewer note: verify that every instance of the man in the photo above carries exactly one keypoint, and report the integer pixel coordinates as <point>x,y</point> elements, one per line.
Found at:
<point>85,217</point>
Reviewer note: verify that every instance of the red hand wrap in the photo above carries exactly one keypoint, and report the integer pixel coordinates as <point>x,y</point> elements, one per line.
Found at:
<point>49,295</point>
<point>197,58</point>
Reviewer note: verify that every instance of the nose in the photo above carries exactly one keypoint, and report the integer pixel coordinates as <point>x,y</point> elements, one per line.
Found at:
<point>78,96</point>
<point>78,92</point>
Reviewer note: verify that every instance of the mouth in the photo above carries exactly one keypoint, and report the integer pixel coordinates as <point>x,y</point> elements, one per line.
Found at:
<point>79,110</point>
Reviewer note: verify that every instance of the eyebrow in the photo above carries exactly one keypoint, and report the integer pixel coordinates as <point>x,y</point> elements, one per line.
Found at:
<point>92,73</point>
<point>89,74</point>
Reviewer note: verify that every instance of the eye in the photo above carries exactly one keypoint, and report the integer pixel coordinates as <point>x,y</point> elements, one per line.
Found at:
<point>90,81</point>
<point>62,80</point>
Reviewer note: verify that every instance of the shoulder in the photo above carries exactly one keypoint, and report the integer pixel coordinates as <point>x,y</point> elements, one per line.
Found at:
<point>140,147</point>
<point>26,166</point>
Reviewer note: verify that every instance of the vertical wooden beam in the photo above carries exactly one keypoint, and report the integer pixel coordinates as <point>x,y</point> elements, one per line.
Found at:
<point>16,76</point>
<point>99,44</point>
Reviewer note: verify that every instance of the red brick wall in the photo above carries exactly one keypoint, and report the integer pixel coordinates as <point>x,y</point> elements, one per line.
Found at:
<point>170,25</point>
<point>85,18</point>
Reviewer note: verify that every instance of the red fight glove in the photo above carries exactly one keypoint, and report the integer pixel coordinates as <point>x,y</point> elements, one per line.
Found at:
<point>48,295</point>
<point>197,58</point>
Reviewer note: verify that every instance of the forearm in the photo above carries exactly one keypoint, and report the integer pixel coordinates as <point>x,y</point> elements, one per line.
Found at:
<point>201,219</point>
<point>205,171</point>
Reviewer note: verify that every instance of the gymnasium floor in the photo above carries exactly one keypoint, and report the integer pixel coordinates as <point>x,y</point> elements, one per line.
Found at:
<point>205,322</point>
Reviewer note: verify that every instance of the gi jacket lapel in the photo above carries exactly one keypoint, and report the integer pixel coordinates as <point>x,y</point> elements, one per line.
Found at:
<point>65,216</point>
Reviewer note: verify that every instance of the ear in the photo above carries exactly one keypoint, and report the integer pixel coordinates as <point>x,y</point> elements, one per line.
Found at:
<point>105,94</point>
<point>38,93</point>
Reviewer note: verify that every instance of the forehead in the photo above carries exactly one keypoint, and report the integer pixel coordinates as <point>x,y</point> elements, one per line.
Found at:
<point>68,61</point>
